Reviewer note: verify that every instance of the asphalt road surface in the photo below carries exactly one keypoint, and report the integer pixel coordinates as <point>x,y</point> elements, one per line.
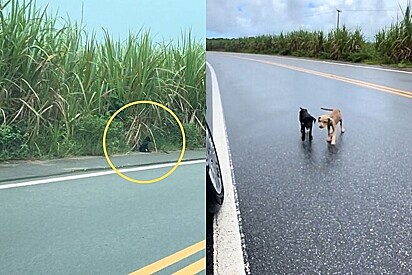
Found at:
<point>310,207</point>
<point>101,223</point>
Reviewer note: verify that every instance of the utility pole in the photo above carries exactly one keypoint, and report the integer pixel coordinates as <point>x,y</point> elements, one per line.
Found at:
<point>337,24</point>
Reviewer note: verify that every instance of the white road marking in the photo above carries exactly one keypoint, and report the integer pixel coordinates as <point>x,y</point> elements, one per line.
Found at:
<point>356,66</point>
<point>228,254</point>
<point>327,62</point>
<point>95,174</point>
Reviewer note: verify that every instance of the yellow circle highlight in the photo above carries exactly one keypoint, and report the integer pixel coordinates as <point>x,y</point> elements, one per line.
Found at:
<point>152,180</point>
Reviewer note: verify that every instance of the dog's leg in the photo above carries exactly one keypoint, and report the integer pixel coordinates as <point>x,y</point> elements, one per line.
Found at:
<point>310,132</point>
<point>341,126</point>
<point>302,130</point>
<point>333,136</point>
<point>329,135</point>
<point>311,126</point>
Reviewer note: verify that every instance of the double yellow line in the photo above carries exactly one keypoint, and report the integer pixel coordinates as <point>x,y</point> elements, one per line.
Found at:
<point>336,77</point>
<point>193,268</point>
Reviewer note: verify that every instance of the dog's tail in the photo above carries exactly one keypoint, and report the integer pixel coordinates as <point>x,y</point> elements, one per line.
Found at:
<point>326,109</point>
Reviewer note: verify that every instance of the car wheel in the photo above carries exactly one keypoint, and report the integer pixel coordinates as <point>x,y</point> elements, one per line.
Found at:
<point>214,182</point>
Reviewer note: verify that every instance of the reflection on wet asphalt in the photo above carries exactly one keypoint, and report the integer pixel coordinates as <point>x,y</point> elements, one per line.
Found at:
<point>311,207</point>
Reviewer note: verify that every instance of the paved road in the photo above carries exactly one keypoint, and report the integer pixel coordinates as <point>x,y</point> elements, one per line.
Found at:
<point>313,208</point>
<point>101,224</point>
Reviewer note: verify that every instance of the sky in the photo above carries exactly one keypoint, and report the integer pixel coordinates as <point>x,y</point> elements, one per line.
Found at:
<point>166,19</point>
<point>241,18</point>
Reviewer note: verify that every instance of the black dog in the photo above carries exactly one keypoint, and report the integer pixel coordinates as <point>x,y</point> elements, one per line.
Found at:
<point>144,147</point>
<point>306,122</point>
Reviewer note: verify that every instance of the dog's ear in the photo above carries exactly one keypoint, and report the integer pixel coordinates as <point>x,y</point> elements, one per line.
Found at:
<point>318,119</point>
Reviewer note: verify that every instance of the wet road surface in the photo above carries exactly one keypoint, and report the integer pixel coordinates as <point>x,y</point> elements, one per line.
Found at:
<point>310,207</point>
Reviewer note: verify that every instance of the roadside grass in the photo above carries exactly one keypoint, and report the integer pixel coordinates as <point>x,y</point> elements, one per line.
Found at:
<point>392,46</point>
<point>59,86</point>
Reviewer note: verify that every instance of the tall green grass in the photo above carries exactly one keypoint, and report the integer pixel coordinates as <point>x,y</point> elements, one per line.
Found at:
<point>338,44</point>
<point>395,43</point>
<point>59,85</point>
<point>391,46</point>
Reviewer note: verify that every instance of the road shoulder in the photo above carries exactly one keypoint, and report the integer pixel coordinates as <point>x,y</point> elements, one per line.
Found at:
<point>24,170</point>
<point>227,244</point>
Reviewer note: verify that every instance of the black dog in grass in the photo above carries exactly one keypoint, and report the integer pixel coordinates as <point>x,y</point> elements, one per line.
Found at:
<point>306,123</point>
<point>144,147</point>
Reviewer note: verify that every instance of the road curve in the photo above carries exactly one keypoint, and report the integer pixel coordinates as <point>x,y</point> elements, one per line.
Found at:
<point>309,207</point>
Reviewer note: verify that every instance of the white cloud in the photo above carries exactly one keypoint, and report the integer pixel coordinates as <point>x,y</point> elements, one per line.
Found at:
<point>237,18</point>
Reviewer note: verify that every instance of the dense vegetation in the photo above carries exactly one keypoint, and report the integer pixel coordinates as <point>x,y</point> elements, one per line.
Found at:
<point>392,45</point>
<point>60,85</point>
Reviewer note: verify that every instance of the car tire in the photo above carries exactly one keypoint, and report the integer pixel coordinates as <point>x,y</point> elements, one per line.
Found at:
<point>214,199</point>
<point>214,191</point>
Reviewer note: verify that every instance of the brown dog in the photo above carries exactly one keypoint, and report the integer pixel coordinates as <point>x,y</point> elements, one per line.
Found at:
<point>331,121</point>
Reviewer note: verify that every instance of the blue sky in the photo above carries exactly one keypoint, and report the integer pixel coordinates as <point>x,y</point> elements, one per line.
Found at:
<point>239,18</point>
<point>166,19</point>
